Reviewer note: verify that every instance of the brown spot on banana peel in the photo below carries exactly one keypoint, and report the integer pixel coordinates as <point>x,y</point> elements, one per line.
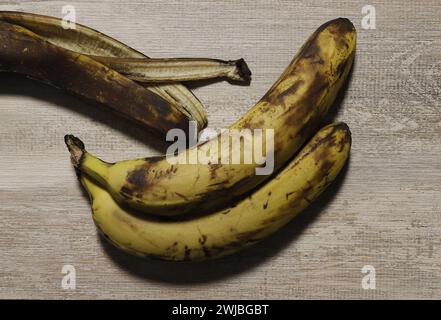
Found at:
<point>86,78</point>
<point>347,138</point>
<point>213,168</point>
<point>172,250</point>
<point>138,178</point>
<point>187,253</point>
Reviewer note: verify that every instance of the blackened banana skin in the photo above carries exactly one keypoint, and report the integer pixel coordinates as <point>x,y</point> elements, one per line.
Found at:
<point>88,41</point>
<point>24,52</point>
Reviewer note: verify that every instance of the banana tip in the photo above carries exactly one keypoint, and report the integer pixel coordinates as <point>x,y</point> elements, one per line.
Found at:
<point>243,70</point>
<point>343,126</point>
<point>76,149</point>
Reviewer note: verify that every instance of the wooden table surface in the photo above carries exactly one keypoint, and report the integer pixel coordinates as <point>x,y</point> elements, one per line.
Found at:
<point>384,211</point>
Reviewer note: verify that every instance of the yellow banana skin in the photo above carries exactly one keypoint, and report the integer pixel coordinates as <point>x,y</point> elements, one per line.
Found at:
<point>292,107</point>
<point>225,232</point>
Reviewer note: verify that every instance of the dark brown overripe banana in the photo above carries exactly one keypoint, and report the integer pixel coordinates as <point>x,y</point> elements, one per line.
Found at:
<point>24,52</point>
<point>88,41</point>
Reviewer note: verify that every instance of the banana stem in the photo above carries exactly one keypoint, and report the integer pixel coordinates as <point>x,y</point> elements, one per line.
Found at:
<point>84,162</point>
<point>177,69</point>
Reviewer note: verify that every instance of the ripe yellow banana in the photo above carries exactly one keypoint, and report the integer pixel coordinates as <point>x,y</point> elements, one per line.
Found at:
<point>88,41</point>
<point>292,108</point>
<point>227,231</point>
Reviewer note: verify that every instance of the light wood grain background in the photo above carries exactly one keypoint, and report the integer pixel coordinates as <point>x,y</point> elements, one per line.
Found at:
<point>384,211</point>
